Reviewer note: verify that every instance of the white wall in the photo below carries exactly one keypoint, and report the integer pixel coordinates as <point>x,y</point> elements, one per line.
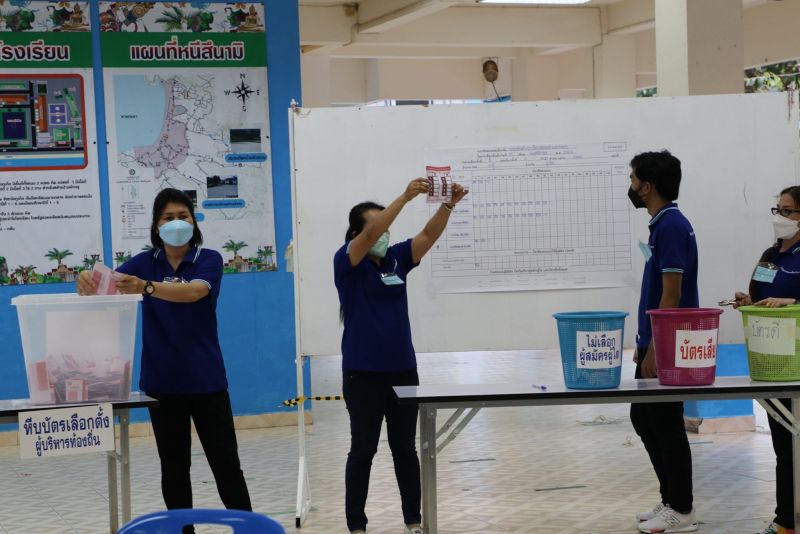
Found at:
<point>645,45</point>
<point>348,81</point>
<point>430,79</point>
<point>772,33</point>
<point>576,70</point>
<point>534,77</point>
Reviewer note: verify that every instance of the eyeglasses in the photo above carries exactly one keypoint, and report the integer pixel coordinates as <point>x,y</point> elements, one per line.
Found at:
<point>785,212</point>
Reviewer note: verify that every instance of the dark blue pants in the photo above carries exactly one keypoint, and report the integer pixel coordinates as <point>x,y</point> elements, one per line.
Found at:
<point>661,427</point>
<point>784,472</point>
<point>369,398</point>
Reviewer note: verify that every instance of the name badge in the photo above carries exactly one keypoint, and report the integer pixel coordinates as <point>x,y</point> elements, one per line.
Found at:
<point>765,272</point>
<point>391,280</point>
<point>646,251</point>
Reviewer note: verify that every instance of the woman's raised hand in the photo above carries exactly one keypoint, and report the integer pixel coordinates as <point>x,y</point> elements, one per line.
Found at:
<point>459,192</point>
<point>415,187</point>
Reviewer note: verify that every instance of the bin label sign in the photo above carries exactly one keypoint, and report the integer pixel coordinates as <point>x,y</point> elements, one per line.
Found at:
<point>771,335</point>
<point>696,348</point>
<point>62,431</point>
<point>599,350</point>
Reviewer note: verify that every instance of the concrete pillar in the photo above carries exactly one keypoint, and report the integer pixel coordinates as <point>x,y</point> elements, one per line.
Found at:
<point>373,76</point>
<point>534,77</point>
<point>576,74</point>
<point>615,67</point>
<point>699,47</point>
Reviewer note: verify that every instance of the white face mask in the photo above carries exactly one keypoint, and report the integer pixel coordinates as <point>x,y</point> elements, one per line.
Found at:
<point>784,227</point>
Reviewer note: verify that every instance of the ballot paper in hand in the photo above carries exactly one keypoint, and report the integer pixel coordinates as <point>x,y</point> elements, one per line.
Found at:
<point>105,279</point>
<point>440,184</point>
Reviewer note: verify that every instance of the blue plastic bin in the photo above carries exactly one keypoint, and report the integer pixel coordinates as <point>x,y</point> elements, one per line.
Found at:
<point>591,348</point>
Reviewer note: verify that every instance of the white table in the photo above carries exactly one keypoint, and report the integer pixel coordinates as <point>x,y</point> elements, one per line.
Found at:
<point>474,397</point>
<point>9,413</point>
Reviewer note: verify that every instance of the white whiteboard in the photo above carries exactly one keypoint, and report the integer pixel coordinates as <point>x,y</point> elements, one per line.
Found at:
<point>537,217</point>
<point>737,152</point>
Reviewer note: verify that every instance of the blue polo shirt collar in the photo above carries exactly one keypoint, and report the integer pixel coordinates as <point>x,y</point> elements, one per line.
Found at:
<point>792,250</point>
<point>661,212</point>
<point>191,256</point>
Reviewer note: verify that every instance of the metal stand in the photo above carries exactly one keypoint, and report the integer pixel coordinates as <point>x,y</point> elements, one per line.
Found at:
<point>428,450</point>
<point>120,487</point>
<point>303,505</point>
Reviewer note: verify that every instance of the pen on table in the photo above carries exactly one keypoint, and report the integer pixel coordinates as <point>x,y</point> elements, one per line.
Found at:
<point>541,387</point>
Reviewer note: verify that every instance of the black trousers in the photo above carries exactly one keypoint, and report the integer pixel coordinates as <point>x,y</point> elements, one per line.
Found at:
<point>661,427</point>
<point>213,420</point>
<point>784,479</point>
<point>369,398</point>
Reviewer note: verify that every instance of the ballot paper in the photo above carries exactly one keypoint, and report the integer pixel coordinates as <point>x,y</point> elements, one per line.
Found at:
<point>105,279</point>
<point>440,184</point>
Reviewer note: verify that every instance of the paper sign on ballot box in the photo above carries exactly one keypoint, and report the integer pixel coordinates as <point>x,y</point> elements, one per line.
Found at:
<point>65,431</point>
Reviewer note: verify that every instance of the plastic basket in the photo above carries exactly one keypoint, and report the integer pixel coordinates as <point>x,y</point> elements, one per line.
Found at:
<point>685,341</point>
<point>77,349</point>
<point>591,348</point>
<point>773,350</point>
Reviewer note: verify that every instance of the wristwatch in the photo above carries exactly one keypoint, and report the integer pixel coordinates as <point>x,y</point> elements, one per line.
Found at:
<point>149,288</point>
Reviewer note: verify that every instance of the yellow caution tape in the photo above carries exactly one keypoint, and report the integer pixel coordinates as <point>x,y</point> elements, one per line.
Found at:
<point>298,400</point>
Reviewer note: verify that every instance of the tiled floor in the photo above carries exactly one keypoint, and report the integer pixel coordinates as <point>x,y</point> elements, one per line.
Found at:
<point>513,470</point>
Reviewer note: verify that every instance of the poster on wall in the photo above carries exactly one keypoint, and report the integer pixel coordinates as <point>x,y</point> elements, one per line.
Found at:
<point>187,108</point>
<point>50,226</point>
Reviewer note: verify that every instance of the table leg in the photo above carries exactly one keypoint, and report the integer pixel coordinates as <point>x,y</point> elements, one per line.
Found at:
<point>427,438</point>
<point>113,504</point>
<point>125,457</point>
<point>796,464</point>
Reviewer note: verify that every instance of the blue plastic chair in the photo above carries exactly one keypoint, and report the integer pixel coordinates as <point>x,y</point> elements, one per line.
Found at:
<point>173,521</point>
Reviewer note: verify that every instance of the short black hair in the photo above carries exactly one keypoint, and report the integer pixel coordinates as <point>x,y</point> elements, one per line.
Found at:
<point>661,169</point>
<point>356,218</point>
<point>794,192</point>
<point>175,196</point>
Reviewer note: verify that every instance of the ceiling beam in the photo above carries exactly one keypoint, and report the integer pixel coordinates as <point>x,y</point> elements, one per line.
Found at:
<point>404,52</point>
<point>408,13</point>
<point>325,25</point>
<point>495,27</point>
<point>630,16</point>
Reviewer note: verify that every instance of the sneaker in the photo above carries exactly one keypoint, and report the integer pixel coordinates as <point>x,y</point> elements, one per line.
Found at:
<point>669,521</point>
<point>650,514</point>
<point>413,529</point>
<point>775,528</point>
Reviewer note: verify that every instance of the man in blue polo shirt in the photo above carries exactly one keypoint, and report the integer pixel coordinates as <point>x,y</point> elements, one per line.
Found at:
<point>669,281</point>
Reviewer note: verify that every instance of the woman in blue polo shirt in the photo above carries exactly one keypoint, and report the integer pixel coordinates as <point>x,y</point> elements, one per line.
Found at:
<point>776,283</point>
<point>182,363</point>
<point>377,351</point>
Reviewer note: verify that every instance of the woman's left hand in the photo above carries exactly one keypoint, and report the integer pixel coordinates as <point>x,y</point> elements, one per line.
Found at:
<point>459,192</point>
<point>775,302</point>
<point>130,285</point>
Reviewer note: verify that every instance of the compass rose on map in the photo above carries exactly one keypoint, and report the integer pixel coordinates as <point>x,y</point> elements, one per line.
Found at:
<point>243,91</point>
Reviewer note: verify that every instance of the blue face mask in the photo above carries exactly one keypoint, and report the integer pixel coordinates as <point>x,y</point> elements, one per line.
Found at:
<point>381,246</point>
<point>176,233</point>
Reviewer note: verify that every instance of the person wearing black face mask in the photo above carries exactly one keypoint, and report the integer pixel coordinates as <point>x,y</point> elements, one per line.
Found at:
<point>669,281</point>
<point>633,195</point>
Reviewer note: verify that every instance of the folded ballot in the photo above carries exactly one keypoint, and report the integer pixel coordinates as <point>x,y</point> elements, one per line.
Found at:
<point>105,280</point>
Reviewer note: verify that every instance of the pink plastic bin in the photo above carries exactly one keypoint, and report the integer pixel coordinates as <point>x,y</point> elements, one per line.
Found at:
<point>685,341</point>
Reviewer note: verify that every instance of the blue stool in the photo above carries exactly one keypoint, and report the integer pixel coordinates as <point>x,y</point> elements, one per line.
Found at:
<point>173,521</point>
